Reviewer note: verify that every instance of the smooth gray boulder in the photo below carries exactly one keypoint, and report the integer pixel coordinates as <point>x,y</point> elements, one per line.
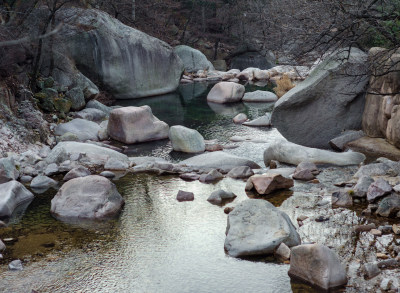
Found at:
<point>186,140</point>
<point>13,194</point>
<point>260,96</point>
<point>290,153</point>
<point>90,197</point>
<point>263,121</point>
<point>93,104</point>
<point>8,172</point>
<point>63,150</point>
<point>339,143</point>
<point>329,100</point>
<point>318,265</point>
<point>193,60</point>
<point>136,124</point>
<point>219,159</point>
<point>256,227</point>
<point>226,92</point>
<point>42,182</point>
<point>128,62</point>
<point>51,169</point>
<point>91,114</point>
<point>83,129</point>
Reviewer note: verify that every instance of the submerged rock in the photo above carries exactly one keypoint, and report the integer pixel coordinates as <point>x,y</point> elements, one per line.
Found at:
<point>136,124</point>
<point>256,227</point>
<point>290,153</point>
<point>186,140</point>
<point>13,194</point>
<point>226,92</point>
<point>318,265</point>
<point>266,184</point>
<point>90,197</point>
<point>332,99</point>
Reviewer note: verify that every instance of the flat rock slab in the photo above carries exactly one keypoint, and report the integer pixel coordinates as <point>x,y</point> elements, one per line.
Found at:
<point>375,146</point>
<point>219,160</point>
<point>256,227</point>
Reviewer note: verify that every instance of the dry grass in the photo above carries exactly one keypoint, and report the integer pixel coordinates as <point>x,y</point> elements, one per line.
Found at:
<point>284,84</point>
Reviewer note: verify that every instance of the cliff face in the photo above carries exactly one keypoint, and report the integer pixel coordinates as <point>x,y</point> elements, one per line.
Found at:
<point>381,116</point>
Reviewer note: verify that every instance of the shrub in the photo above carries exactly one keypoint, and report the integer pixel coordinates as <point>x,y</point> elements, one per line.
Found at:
<point>284,84</point>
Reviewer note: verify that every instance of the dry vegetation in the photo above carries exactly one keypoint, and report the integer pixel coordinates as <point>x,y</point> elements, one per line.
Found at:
<point>284,84</point>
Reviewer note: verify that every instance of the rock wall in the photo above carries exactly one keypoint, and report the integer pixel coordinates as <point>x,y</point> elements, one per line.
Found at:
<point>381,116</point>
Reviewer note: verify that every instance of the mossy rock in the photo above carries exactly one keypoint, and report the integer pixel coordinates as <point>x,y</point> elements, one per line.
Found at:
<point>41,96</point>
<point>50,92</point>
<point>62,105</point>
<point>48,82</point>
<point>40,84</point>
<point>68,136</point>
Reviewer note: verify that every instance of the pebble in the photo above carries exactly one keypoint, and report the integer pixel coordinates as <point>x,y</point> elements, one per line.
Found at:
<point>107,174</point>
<point>396,229</point>
<point>376,232</point>
<point>283,252</point>
<point>385,229</point>
<point>15,265</point>
<point>382,255</point>
<point>371,270</point>
<point>321,219</point>
<point>227,210</point>
<point>390,263</point>
<point>364,228</point>
<point>386,284</point>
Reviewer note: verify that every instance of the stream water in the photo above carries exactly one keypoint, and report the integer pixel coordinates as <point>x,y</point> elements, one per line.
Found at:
<point>158,244</point>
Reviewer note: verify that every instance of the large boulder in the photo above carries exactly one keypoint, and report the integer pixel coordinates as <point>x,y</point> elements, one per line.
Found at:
<point>193,60</point>
<point>318,265</point>
<point>290,153</point>
<point>256,227</point>
<point>329,100</point>
<point>12,194</point>
<point>90,153</point>
<point>129,63</point>
<point>226,92</point>
<point>186,140</point>
<point>83,129</point>
<point>8,171</point>
<point>136,124</point>
<point>90,197</point>
<point>219,159</point>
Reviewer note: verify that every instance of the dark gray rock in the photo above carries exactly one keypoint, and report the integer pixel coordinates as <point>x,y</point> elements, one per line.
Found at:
<point>240,172</point>
<point>361,188</point>
<point>193,60</point>
<point>305,171</point>
<point>342,199</point>
<point>332,99</point>
<point>339,143</point>
<point>378,189</point>
<point>185,196</point>
<point>77,98</point>
<point>190,176</point>
<point>90,197</point>
<point>256,227</point>
<point>371,270</point>
<point>220,196</point>
<point>252,59</point>
<point>211,176</point>
<point>389,206</point>
<point>13,194</point>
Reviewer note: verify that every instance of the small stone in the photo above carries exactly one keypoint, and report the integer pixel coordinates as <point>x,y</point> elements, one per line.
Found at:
<point>390,263</point>
<point>342,199</point>
<point>376,232</point>
<point>211,176</point>
<point>51,170</point>
<point>240,118</point>
<point>227,210</point>
<point>371,270</point>
<point>364,228</point>
<point>219,196</point>
<point>283,252</point>
<point>273,164</point>
<point>15,265</point>
<point>302,218</point>
<point>185,196</point>
<point>2,246</point>
<point>315,181</point>
<point>107,174</point>
<point>396,229</point>
<point>26,179</point>
<point>189,176</point>
<point>382,255</point>
<point>386,284</point>
<point>321,219</point>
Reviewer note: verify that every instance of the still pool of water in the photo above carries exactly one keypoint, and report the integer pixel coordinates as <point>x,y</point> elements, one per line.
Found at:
<point>156,244</point>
